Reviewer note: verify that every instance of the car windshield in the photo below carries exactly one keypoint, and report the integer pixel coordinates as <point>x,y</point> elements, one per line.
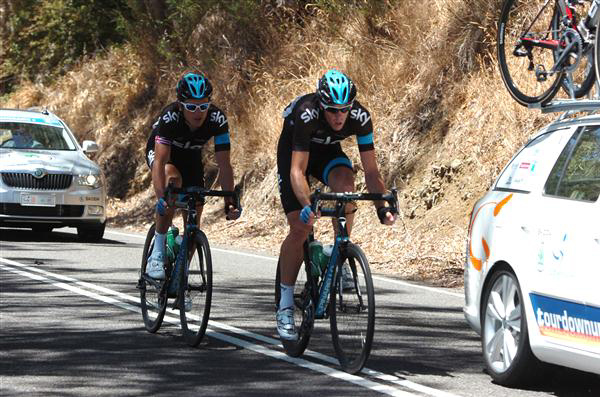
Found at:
<point>17,135</point>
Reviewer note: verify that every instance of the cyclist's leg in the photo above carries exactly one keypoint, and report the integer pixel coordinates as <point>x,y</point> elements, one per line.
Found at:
<point>335,170</point>
<point>291,252</point>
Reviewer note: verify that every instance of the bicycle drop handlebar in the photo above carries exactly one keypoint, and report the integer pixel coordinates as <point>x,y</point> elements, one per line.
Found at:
<point>183,195</point>
<point>318,196</point>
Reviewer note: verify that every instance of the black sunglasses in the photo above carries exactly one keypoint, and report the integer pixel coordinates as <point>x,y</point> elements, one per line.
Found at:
<point>332,109</point>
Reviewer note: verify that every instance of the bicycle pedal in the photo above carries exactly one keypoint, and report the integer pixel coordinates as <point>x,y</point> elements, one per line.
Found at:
<point>541,74</point>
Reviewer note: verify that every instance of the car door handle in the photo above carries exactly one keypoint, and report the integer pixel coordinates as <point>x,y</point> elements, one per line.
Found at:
<point>525,229</point>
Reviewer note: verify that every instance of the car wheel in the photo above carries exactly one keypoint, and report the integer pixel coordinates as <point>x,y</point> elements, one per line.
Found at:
<point>91,233</point>
<point>504,334</point>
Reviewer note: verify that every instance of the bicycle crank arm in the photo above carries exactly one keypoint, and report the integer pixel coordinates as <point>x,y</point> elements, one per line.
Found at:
<point>149,280</point>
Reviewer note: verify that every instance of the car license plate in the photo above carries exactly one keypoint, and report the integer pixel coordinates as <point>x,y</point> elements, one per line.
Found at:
<point>39,200</point>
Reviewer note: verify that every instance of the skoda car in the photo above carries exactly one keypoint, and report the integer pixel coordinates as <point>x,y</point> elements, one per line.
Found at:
<point>532,269</point>
<point>46,179</point>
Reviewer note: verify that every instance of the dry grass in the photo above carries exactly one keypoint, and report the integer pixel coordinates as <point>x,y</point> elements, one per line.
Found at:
<point>445,124</point>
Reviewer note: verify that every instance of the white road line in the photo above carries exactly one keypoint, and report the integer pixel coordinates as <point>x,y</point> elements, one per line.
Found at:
<point>173,318</point>
<point>273,259</point>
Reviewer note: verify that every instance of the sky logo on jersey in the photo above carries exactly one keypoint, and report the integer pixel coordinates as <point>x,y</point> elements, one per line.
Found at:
<point>568,321</point>
<point>309,114</point>
<point>171,116</point>
<point>219,118</point>
<point>360,115</point>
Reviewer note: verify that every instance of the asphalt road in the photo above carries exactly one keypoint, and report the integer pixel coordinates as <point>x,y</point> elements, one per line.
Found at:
<point>70,325</point>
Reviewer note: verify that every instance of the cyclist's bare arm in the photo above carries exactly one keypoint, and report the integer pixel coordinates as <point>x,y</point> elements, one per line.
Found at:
<point>225,172</point>
<point>162,153</point>
<point>374,180</point>
<point>298,177</point>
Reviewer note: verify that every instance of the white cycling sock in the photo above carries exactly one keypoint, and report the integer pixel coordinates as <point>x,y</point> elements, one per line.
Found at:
<point>159,243</point>
<point>287,296</point>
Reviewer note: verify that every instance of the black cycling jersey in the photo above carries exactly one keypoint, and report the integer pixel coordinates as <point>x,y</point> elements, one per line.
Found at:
<point>186,145</point>
<point>305,129</point>
<point>171,129</point>
<point>305,124</point>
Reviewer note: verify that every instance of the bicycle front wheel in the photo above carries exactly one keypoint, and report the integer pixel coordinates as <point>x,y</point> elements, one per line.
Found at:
<point>352,311</point>
<point>195,290</point>
<point>153,298</point>
<point>525,65</point>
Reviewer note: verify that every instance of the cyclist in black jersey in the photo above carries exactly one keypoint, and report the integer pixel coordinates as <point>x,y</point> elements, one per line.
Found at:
<point>174,154</point>
<point>314,125</point>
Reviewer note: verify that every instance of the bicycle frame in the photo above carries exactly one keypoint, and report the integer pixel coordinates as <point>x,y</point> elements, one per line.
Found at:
<point>342,239</point>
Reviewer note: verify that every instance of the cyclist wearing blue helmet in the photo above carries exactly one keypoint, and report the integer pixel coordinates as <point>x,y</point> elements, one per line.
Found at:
<point>314,125</point>
<point>174,154</point>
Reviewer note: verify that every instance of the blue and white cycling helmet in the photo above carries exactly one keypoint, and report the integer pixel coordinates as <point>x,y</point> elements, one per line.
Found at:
<point>335,89</point>
<point>193,85</point>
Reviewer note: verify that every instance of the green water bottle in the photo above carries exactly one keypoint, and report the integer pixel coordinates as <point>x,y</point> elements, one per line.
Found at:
<point>319,260</point>
<point>172,247</point>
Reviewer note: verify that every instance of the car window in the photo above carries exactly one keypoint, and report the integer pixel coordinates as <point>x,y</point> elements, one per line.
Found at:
<point>17,135</point>
<point>576,173</point>
<point>524,171</point>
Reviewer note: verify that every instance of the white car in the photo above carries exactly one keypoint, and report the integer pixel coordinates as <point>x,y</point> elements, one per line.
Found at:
<point>46,179</point>
<point>532,269</point>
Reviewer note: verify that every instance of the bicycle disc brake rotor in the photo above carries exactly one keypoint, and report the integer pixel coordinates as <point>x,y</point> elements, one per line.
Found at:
<point>568,37</point>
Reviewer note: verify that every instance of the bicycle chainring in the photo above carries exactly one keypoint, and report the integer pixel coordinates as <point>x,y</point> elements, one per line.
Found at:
<point>568,37</point>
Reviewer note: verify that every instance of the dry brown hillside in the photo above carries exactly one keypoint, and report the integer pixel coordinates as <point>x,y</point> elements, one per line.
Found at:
<point>444,123</point>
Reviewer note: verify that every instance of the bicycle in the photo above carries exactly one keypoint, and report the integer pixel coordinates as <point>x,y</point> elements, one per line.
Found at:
<point>320,297</point>
<point>190,273</point>
<point>541,48</point>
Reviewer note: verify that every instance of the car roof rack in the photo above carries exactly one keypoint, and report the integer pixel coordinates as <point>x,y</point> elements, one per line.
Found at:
<point>41,109</point>
<point>568,106</point>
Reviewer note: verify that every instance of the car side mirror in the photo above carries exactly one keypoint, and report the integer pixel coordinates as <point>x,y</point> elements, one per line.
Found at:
<point>90,147</point>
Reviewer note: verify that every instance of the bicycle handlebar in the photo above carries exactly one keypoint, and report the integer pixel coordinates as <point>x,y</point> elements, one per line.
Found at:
<point>318,196</point>
<point>199,193</point>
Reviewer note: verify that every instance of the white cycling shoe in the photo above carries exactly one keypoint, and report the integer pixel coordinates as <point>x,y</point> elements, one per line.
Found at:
<point>155,266</point>
<point>285,324</point>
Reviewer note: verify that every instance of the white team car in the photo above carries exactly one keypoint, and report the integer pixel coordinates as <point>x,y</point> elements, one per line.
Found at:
<point>46,179</point>
<point>532,269</point>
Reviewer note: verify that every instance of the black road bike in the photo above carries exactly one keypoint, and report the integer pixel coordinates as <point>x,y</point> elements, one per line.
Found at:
<point>351,310</point>
<point>190,275</point>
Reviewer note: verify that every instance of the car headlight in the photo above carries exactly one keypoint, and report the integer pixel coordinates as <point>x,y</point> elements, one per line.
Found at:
<point>90,180</point>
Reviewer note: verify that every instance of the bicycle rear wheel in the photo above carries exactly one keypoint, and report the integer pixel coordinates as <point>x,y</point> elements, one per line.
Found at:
<point>352,311</point>
<point>153,298</point>
<point>197,289</point>
<point>304,311</point>
<point>523,66</point>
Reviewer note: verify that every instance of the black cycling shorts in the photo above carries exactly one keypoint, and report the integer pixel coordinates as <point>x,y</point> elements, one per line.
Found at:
<point>188,163</point>
<point>322,159</point>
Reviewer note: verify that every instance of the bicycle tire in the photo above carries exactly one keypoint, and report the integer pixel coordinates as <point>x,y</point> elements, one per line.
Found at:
<point>585,74</point>
<point>521,82</point>
<point>597,51</point>
<point>149,293</point>
<point>198,283</point>
<point>352,319</point>
<point>304,310</point>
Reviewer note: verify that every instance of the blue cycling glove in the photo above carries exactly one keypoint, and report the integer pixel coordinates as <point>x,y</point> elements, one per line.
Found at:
<point>305,214</point>
<point>161,206</point>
